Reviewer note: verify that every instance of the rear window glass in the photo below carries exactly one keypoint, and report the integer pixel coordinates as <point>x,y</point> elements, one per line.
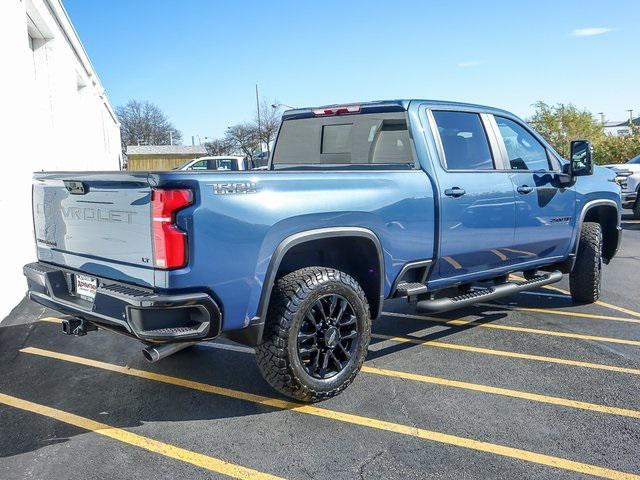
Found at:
<point>464,141</point>
<point>381,138</point>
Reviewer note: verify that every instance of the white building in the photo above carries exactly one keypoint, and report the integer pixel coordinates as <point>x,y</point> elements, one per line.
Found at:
<point>619,129</point>
<point>54,116</point>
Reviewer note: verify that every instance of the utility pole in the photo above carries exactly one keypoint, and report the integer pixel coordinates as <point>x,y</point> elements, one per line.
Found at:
<point>259,123</point>
<point>171,137</point>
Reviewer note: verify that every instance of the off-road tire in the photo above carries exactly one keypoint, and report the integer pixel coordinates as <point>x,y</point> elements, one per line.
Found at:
<point>277,356</point>
<point>586,277</point>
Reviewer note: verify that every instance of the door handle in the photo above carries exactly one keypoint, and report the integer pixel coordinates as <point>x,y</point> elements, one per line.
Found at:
<point>524,189</point>
<point>454,192</point>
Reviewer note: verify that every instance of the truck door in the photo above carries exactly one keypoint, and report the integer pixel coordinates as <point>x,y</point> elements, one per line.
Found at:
<point>477,213</point>
<point>544,209</point>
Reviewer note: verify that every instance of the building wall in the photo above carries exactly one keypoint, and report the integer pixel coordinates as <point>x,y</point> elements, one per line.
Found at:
<point>55,116</point>
<point>617,131</point>
<point>157,162</point>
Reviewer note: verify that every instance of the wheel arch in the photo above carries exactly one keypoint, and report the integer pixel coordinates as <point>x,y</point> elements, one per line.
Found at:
<point>322,243</point>
<point>607,214</point>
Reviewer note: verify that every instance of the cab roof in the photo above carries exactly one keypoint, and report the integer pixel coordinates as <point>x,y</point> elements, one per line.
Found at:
<point>385,106</point>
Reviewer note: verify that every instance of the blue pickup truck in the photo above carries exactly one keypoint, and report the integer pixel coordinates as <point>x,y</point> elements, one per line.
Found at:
<point>435,202</point>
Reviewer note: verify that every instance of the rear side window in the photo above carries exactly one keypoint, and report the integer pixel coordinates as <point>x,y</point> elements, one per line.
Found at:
<point>381,138</point>
<point>464,141</point>
<point>525,152</point>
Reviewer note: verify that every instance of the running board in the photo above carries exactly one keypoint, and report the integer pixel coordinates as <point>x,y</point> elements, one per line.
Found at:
<point>486,294</point>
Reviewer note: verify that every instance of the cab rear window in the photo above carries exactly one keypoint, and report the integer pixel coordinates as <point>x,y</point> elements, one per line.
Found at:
<point>365,139</point>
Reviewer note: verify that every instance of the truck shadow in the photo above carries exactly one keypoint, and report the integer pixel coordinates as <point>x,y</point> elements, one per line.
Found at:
<point>125,401</point>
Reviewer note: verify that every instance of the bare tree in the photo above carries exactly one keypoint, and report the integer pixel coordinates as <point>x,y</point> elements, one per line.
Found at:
<point>243,138</point>
<point>269,122</point>
<point>219,146</point>
<point>143,123</point>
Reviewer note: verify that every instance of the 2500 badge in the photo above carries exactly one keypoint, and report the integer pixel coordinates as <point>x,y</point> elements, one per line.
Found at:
<point>234,188</point>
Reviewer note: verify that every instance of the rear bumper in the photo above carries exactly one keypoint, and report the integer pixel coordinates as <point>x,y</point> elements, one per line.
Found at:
<point>139,312</point>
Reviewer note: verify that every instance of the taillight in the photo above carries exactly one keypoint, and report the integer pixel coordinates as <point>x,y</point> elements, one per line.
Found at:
<point>169,242</point>
<point>342,110</point>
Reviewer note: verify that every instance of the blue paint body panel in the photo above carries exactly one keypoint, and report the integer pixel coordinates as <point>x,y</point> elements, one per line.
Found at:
<point>232,238</point>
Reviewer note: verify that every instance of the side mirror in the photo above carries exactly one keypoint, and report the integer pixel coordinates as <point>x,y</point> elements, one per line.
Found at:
<point>581,162</point>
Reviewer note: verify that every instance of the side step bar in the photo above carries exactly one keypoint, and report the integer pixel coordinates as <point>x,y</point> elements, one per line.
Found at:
<point>486,294</point>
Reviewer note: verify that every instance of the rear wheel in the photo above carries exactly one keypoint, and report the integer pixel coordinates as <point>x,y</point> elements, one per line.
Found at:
<point>586,277</point>
<point>316,335</point>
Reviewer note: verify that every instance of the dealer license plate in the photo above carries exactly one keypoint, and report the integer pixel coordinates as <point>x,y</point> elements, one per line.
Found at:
<point>86,286</point>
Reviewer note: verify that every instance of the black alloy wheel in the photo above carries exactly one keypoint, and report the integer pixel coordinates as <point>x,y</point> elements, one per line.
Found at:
<point>327,337</point>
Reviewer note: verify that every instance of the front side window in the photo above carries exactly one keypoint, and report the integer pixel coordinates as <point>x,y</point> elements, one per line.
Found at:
<point>363,139</point>
<point>464,141</point>
<point>525,152</point>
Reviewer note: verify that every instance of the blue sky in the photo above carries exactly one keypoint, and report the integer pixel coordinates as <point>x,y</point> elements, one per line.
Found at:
<point>199,60</point>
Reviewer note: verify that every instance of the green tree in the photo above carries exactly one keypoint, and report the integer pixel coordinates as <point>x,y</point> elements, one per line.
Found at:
<point>561,123</point>
<point>617,149</point>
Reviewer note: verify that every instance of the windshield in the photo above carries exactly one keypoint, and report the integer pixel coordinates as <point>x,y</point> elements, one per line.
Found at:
<point>635,160</point>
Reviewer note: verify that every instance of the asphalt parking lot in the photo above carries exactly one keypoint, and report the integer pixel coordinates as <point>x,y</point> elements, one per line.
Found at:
<point>529,387</point>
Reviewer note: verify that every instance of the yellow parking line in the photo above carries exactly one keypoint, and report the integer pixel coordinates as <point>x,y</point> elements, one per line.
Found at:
<point>499,254</point>
<point>475,387</point>
<point>505,353</point>
<point>51,320</point>
<point>146,443</point>
<point>633,313</point>
<point>563,313</point>
<point>496,449</point>
<point>510,328</point>
<point>564,402</point>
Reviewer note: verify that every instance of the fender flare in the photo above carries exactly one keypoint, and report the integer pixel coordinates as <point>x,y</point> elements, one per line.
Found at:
<point>306,236</point>
<point>573,250</point>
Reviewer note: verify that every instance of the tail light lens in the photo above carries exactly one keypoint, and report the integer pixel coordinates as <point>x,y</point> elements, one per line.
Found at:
<point>169,242</point>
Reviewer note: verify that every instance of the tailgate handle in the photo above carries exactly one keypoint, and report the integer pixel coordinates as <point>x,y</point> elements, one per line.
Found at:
<point>75,187</point>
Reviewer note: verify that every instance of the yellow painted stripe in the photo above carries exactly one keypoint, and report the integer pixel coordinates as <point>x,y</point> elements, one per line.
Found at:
<point>499,353</point>
<point>506,353</point>
<point>146,443</point>
<point>51,320</point>
<point>510,328</point>
<point>565,313</point>
<point>564,402</point>
<point>626,311</point>
<point>499,254</point>
<point>452,262</point>
<point>528,254</point>
<point>496,449</point>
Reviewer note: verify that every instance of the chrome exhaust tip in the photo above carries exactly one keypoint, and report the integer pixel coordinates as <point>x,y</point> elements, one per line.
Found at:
<point>157,352</point>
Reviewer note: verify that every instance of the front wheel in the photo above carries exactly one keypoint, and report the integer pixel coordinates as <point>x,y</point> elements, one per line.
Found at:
<point>586,277</point>
<point>316,334</point>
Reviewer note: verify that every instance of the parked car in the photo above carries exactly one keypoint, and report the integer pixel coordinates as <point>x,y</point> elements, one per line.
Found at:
<point>227,163</point>
<point>628,176</point>
<point>435,202</point>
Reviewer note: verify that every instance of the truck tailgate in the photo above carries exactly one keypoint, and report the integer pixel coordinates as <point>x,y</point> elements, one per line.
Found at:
<point>99,223</point>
